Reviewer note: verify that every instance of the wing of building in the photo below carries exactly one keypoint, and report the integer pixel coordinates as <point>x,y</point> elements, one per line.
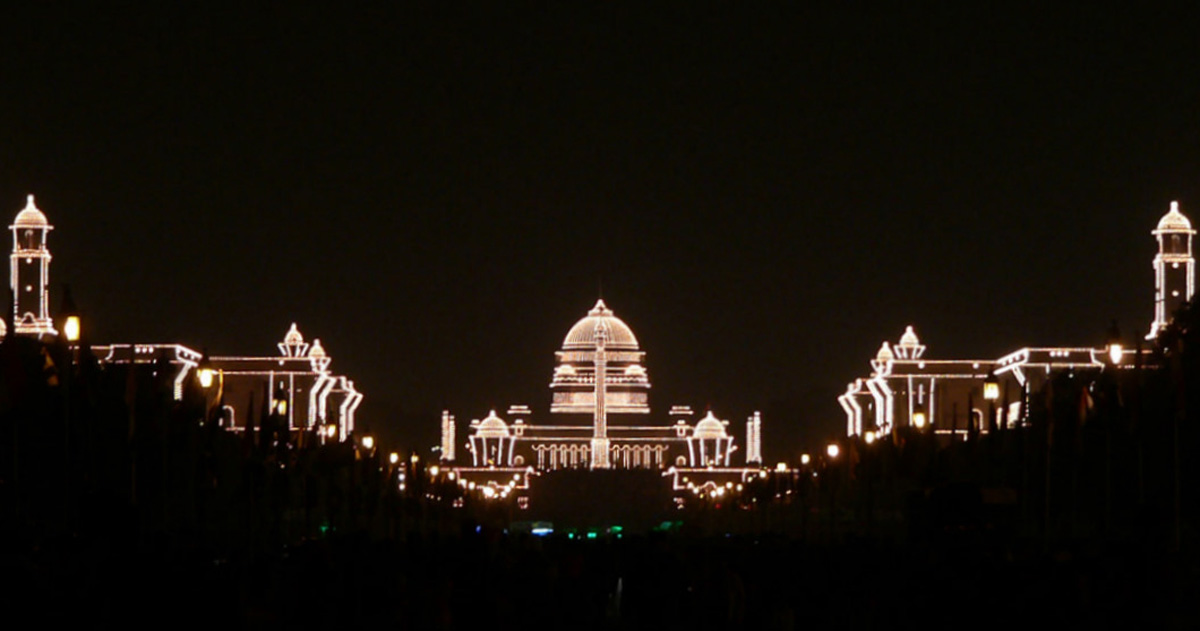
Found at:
<point>951,397</point>
<point>296,383</point>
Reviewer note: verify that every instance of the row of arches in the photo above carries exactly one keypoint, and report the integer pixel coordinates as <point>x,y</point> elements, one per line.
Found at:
<point>570,456</point>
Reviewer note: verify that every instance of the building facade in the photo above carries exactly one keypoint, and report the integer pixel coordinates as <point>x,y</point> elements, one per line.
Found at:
<point>296,384</point>
<point>907,389</point>
<point>600,418</point>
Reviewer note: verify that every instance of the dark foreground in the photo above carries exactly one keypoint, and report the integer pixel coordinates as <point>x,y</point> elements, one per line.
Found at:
<point>492,580</point>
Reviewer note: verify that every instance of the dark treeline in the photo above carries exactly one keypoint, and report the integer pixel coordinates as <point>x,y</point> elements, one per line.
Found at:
<point>120,499</point>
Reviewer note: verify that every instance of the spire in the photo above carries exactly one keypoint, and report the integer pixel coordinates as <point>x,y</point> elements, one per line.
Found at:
<point>600,309</point>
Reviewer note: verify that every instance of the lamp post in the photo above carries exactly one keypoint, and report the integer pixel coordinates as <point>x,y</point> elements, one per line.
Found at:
<point>71,329</point>
<point>1115,350</point>
<point>832,451</point>
<point>991,392</point>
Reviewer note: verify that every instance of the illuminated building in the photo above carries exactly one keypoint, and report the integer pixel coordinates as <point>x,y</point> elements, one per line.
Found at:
<point>296,385</point>
<point>1174,267</point>
<point>29,272</point>
<point>600,389</point>
<point>945,396</point>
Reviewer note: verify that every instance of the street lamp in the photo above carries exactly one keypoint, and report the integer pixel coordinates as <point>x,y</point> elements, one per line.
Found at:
<point>205,372</point>
<point>869,437</point>
<point>393,457</point>
<point>71,324</point>
<point>918,419</point>
<point>833,450</point>
<point>1115,350</point>
<point>368,442</point>
<point>991,387</point>
<point>805,459</point>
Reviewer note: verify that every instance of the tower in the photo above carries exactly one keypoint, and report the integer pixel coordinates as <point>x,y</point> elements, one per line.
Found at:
<point>1174,267</point>
<point>29,269</point>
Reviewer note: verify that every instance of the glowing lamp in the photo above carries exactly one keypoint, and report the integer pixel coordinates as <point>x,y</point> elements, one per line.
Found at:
<point>1115,349</point>
<point>869,437</point>
<point>918,420</point>
<point>433,471</point>
<point>71,323</point>
<point>206,377</point>
<point>833,450</point>
<point>393,457</point>
<point>805,458</point>
<point>991,387</point>
<point>281,407</point>
<point>368,442</point>
<point>71,328</point>
<point>331,431</point>
<point>781,467</point>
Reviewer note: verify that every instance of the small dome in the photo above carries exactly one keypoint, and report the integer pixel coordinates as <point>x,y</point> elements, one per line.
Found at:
<point>317,351</point>
<point>885,353</point>
<point>492,427</point>
<point>30,217</point>
<point>582,336</point>
<point>909,338</point>
<point>293,337</point>
<point>1174,221</point>
<point>634,370</point>
<point>709,427</point>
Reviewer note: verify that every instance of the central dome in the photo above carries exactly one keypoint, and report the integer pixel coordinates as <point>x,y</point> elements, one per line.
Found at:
<point>582,336</point>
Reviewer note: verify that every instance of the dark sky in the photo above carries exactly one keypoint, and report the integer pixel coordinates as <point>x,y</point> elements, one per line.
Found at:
<point>765,195</point>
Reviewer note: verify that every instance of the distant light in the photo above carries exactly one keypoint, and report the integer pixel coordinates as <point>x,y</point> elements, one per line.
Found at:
<point>781,467</point>
<point>991,387</point>
<point>1115,352</point>
<point>205,374</point>
<point>918,420</point>
<point>71,328</point>
<point>833,450</point>
<point>805,459</point>
<point>368,442</point>
<point>433,471</point>
<point>393,457</point>
<point>869,437</point>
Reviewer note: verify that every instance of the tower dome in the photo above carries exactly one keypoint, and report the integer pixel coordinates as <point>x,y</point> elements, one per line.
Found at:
<point>492,427</point>
<point>582,336</point>
<point>575,382</point>
<point>31,217</point>
<point>709,427</point>
<point>1174,221</point>
<point>885,353</point>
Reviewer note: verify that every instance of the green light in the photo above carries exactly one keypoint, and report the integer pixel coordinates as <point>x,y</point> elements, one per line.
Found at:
<point>591,534</point>
<point>615,529</point>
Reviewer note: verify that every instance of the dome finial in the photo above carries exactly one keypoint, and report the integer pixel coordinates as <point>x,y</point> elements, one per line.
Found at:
<point>29,201</point>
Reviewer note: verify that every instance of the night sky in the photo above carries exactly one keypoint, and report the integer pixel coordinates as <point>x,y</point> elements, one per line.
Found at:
<point>762,195</point>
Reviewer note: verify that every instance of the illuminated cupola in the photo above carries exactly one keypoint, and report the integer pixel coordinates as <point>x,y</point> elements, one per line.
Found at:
<point>293,344</point>
<point>710,445</point>
<point>625,382</point>
<point>1174,267</point>
<point>29,269</point>
<point>883,360</point>
<point>491,443</point>
<point>909,346</point>
<point>319,358</point>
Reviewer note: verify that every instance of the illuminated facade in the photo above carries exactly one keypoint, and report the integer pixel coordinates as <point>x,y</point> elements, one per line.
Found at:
<point>297,384</point>
<point>599,389</point>
<point>1174,267</point>
<point>29,272</point>
<point>946,396</point>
